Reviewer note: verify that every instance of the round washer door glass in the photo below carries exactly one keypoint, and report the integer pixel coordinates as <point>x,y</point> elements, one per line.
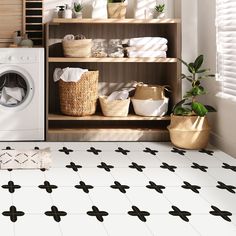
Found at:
<point>15,90</point>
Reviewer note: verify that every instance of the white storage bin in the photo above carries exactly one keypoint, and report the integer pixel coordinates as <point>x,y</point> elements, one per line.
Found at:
<point>150,107</point>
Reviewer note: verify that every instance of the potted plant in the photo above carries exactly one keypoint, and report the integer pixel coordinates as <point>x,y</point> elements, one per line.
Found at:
<point>78,10</point>
<point>159,9</point>
<point>189,128</point>
<point>117,9</point>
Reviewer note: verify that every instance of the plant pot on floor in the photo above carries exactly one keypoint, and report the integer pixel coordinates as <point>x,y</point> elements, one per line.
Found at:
<point>117,10</point>
<point>189,132</point>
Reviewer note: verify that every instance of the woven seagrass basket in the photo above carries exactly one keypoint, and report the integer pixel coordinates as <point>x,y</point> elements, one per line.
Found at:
<point>79,98</point>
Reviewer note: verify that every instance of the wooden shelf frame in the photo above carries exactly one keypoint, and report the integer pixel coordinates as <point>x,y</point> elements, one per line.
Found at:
<point>113,71</point>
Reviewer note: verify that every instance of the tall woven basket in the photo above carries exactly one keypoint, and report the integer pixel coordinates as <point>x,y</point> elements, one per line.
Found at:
<point>79,98</point>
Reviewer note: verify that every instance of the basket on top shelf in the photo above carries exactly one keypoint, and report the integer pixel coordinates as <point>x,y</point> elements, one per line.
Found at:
<point>79,98</point>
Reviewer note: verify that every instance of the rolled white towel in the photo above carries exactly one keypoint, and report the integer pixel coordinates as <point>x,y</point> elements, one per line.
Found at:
<point>156,47</point>
<point>147,41</point>
<point>161,54</point>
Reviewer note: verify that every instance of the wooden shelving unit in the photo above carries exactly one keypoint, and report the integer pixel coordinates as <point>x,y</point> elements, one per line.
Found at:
<point>115,73</point>
<point>33,21</point>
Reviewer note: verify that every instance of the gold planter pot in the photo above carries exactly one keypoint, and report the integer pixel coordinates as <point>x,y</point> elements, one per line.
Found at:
<point>189,132</point>
<point>117,10</point>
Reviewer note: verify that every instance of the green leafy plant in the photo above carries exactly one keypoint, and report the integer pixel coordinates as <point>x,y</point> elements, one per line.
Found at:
<point>190,106</point>
<point>160,8</point>
<point>78,7</point>
<point>115,1</point>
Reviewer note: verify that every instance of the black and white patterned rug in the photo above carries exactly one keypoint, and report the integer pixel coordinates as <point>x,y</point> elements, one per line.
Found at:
<point>116,188</point>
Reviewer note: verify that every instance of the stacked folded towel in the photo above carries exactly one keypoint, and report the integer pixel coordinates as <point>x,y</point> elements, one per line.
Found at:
<point>147,47</point>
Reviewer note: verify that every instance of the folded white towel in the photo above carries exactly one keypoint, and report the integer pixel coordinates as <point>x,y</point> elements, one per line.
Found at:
<point>147,41</point>
<point>147,54</point>
<point>12,96</point>
<point>68,74</point>
<point>25,159</point>
<point>118,95</point>
<point>156,47</point>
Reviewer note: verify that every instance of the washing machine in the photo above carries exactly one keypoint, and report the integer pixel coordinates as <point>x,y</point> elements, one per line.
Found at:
<point>22,94</point>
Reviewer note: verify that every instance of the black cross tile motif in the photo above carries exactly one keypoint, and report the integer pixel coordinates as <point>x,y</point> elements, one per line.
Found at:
<point>208,152</point>
<point>224,214</point>
<point>194,188</point>
<point>156,187</point>
<point>137,167</point>
<point>179,151</point>
<point>84,186</point>
<point>151,151</point>
<point>94,150</point>
<point>97,213</point>
<point>8,148</point>
<point>55,213</point>
<point>43,169</point>
<point>73,166</point>
<point>182,214</point>
<point>120,186</point>
<point>10,170</point>
<point>48,187</point>
<point>140,214</point>
<point>123,151</point>
<point>229,188</point>
<point>36,148</point>
<point>229,167</point>
<point>169,167</point>
<point>66,150</point>
<point>199,167</point>
<point>13,213</point>
<point>105,166</point>
<point>11,186</point>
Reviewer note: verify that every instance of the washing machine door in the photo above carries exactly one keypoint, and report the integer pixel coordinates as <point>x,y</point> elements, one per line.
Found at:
<point>16,88</point>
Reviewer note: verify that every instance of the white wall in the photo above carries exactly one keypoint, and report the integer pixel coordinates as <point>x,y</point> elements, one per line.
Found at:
<point>50,5</point>
<point>223,122</point>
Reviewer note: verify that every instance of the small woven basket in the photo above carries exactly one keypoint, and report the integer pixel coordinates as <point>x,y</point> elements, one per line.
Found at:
<point>114,108</point>
<point>79,98</point>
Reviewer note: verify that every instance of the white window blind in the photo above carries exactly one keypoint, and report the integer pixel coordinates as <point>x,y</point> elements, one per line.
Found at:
<point>226,46</point>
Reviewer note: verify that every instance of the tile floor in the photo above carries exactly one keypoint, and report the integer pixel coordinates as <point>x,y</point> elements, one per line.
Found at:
<point>120,189</point>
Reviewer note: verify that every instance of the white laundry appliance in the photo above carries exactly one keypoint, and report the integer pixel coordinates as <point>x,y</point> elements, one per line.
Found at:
<point>22,94</point>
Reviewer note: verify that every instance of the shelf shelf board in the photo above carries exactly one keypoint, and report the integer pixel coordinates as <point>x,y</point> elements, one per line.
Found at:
<point>108,134</point>
<point>114,21</point>
<point>59,117</point>
<point>108,59</point>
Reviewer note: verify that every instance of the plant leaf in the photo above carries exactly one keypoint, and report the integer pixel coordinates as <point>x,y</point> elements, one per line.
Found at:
<point>202,71</point>
<point>198,62</point>
<point>191,68</point>
<point>182,111</point>
<point>185,63</point>
<point>210,108</point>
<point>179,104</point>
<point>199,109</point>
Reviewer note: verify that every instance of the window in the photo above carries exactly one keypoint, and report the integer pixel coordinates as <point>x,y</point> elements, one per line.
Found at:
<point>226,46</point>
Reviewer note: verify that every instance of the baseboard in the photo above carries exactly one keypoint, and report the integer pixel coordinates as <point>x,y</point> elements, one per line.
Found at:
<point>222,144</point>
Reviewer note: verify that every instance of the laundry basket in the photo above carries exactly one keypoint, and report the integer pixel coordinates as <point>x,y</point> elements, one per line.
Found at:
<point>114,108</point>
<point>79,98</point>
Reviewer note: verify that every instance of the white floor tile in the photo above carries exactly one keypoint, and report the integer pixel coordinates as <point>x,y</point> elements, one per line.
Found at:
<point>4,177</point>
<point>195,176</point>
<point>186,200</point>
<point>212,225</point>
<point>130,177</point>
<point>6,200</point>
<point>84,146</point>
<point>131,146</point>
<point>149,200</point>
<point>159,146</point>
<point>32,200</point>
<point>71,200</point>
<point>163,177</point>
<point>54,146</point>
<point>6,226</point>
<point>62,176</point>
<point>223,175</point>
<point>28,177</point>
<point>96,176</point>
<point>167,225</point>
<point>118,225</point>
<point>110,200</point>
<point>36,225</point>
<point>85,225</point>
<point>220,198</point>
